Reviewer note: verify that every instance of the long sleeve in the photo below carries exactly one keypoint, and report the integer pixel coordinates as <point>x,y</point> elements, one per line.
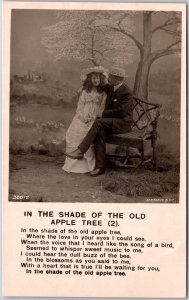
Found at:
<point>122,108</point>
<point>102,105</point>
<point>80,105</point>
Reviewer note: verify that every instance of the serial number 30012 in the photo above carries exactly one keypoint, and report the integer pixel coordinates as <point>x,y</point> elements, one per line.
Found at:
<point>21,197</point>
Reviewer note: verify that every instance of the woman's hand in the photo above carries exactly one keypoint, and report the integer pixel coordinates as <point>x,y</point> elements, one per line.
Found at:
<point>89,119</point>
<point>81,118</point>
<point>85,120</point>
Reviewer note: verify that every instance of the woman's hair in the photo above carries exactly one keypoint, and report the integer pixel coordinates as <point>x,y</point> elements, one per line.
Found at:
<point>87,85</point>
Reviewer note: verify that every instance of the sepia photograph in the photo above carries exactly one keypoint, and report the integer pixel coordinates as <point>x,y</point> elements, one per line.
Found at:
<point>95,106</point>
<point>94,149</point>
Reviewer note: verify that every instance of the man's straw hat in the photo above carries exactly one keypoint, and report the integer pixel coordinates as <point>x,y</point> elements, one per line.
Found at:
<point>119,72</point>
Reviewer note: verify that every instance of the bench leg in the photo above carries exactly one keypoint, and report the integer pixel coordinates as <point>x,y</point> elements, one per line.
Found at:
<point>126,159</point>
<point>141,150</point>
<point>142,154</point>
<point>154,153</point>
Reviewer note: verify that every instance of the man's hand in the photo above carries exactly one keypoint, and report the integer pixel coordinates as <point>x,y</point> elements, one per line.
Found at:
<point>86,120</point>
<point>99,115</point>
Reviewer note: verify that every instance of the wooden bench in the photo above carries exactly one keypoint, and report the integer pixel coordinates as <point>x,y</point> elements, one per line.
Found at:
<point>144,128</point>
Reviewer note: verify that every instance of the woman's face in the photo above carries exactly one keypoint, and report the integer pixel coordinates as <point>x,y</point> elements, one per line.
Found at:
<point>95,79</point>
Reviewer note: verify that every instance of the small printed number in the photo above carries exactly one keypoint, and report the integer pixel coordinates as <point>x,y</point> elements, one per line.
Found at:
<point>20,197</point>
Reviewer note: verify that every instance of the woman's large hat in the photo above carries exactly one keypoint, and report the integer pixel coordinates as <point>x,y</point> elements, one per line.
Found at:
<point>97,69</point>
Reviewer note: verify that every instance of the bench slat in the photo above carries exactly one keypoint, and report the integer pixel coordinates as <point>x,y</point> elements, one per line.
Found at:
<point>134,134</point>
<point>131,139</point>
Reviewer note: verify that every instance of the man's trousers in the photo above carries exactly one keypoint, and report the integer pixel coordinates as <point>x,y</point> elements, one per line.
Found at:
<point>97,134</point>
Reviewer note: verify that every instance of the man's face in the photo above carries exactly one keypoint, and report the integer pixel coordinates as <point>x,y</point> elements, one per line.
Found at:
<point>114,80</point>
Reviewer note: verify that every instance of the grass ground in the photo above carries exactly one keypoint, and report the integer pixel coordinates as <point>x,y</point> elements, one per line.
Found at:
<point>144,181</point>
<point>41,179</point>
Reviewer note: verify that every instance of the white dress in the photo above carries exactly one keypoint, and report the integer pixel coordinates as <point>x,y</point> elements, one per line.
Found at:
<point>89,105</point>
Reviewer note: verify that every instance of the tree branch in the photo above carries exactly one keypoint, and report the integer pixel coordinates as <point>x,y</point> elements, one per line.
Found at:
<point>173,44</point>
<point>101,53</point>
<point>86,46</point>
<point>137,43</point>
<point>163,52</point>
<point>165,24</point>
<point>173,32</point>
<point>93,61</point>
<point>121,20</point>
<point>105,50</point>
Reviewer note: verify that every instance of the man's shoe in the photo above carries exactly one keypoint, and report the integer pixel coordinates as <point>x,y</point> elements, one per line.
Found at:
<point>76,154</point>
<point>97,171</point>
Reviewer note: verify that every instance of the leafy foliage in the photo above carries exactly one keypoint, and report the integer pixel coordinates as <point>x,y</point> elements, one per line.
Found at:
<point>83,35</point>
<point>103,37</point>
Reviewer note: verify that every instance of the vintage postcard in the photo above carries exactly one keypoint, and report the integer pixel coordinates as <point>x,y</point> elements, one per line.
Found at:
<point>94,166</point>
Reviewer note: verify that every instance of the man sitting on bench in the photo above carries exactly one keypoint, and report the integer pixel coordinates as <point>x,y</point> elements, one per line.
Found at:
<point>116,119</point>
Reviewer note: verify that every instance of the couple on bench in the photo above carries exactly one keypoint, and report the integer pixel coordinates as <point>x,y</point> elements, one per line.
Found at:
<point>105,107</point>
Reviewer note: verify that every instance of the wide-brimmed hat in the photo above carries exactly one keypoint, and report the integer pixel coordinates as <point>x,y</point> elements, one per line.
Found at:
<point>119,72</point>
<point>97,69</point>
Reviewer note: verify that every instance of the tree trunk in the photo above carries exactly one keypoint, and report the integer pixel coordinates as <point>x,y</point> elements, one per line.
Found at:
<point>141,80</point>
<point>143,69</point>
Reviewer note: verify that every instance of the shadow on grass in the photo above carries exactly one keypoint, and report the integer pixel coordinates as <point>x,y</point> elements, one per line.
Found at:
<point>145,182</point>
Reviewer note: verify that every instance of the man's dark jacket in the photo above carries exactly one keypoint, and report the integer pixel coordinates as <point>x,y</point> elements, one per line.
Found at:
<point>119,107</point>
